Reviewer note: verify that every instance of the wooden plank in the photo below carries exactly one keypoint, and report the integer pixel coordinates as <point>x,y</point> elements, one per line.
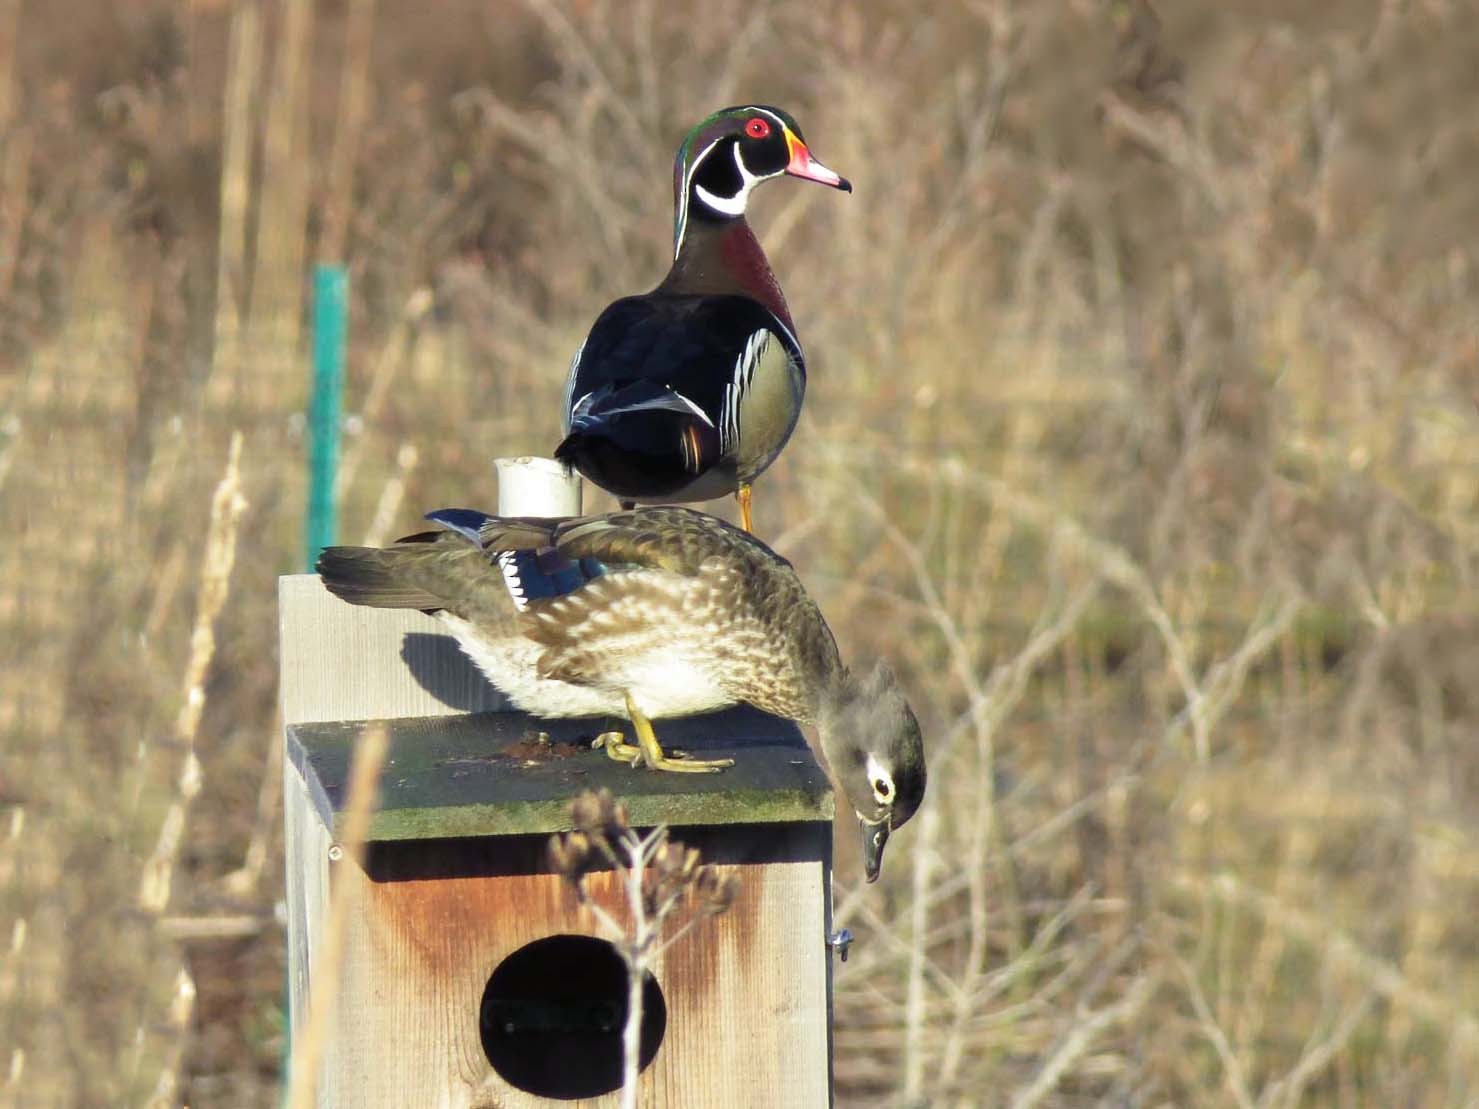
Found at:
<point>306,843</point>
<point>487,774</point>
<point>746,991</point>
<point>343,662</point>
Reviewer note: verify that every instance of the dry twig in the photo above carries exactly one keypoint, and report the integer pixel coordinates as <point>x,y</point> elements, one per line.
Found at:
<point>656,875</point>
<point>227,506</point>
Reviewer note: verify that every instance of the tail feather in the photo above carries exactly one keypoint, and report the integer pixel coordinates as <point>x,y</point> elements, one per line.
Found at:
<point>373,576</point>
<point>474,569</point>
<point>641,439</point>
<point>645,455</point>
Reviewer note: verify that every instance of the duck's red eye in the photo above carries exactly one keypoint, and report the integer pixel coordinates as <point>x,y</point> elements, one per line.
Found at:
<point>757,128</point>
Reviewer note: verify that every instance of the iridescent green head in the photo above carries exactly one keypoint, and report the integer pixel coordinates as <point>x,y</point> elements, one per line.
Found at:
<point>732,151</point>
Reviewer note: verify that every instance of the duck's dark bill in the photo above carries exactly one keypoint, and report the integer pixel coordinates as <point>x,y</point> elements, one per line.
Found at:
<point>874,837</point>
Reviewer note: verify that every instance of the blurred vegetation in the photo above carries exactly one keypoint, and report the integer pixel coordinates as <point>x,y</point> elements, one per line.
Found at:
<point>1141,435</point>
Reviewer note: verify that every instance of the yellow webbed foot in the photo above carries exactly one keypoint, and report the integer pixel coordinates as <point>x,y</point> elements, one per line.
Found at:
<point>652,754</point>
<point>616,747</point>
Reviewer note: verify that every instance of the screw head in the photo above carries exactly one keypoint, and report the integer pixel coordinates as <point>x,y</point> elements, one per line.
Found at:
<point>840,942</point>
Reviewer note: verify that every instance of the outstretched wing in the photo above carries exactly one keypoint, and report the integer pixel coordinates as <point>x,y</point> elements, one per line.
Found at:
<point>434,571</point>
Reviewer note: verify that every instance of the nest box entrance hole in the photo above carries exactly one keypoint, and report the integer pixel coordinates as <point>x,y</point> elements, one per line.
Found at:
<point>552,1016</point>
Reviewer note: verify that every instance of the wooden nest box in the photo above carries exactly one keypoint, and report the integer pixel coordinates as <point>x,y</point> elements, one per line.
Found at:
<point>471,975</point>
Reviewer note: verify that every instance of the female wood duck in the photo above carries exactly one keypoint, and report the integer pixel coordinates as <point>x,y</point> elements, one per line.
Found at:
<point>688,392</point>
<point>651,613</point>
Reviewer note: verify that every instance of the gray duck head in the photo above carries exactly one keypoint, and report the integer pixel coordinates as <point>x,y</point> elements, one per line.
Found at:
<point>873,743</point>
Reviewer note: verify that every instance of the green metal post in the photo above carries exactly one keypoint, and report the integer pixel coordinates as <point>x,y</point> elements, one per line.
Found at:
<point>330,335</point>
<point>330,331</point>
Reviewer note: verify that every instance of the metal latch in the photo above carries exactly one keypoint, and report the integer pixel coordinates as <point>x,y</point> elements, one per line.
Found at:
<point>840,942</point>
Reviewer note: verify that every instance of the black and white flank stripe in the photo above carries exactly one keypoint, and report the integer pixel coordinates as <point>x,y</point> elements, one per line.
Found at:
<point>739,384</point>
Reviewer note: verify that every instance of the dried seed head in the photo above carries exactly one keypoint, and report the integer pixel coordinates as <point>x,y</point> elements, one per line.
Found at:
<point>578,848</point>
<point>667,860</point>
<point>592,810</point>
<point>716,891</point>
<point>707,879</point>
<point>570,856</point>
<point>728,890</point>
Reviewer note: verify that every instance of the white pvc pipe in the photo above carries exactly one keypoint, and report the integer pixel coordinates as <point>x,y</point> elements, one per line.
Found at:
<point>536,487</point>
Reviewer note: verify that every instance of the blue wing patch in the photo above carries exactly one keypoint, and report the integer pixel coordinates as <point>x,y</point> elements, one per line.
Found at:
<point>464,521</point>
<point>545,573</point>
<point>530,575</point>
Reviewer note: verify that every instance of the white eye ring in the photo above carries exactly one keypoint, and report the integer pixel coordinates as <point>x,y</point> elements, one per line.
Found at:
<point>881,781</point>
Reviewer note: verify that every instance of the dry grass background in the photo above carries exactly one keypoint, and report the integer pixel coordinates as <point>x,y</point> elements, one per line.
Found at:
<point>1142,436</point>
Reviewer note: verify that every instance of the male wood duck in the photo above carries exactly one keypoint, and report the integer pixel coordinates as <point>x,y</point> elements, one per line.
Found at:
<point>690,391</point>
<point>652,613</point>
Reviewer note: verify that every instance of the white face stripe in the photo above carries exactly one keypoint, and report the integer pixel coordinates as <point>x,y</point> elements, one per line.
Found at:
<point>709,198</point>
<point>683,194</point>
<point>731,205</point>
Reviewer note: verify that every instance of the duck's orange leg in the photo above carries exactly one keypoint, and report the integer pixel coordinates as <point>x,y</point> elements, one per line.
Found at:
<point>742,494</point>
